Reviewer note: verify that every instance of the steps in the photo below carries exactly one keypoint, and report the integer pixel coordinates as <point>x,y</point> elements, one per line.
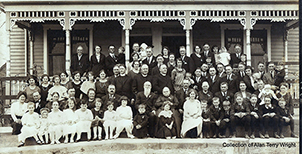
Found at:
<point>129,146</point>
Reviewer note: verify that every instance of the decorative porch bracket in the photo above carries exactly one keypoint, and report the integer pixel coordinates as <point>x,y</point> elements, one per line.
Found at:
<point>187,24</point>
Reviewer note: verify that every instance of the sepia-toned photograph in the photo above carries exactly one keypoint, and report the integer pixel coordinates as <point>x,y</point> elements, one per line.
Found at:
<point>149,76</point>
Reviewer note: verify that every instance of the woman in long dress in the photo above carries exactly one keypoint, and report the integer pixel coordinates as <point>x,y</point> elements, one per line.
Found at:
<point>192,120</point>
<point>18,109</point>
<point>101,85</point>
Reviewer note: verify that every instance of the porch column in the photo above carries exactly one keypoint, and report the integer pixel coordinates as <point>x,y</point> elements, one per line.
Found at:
<point>68,52</point>
<point>286,50</point>
<point>188,48</point>
<point>31,50</point>
<point>127,47</point>
<point>248,46</point>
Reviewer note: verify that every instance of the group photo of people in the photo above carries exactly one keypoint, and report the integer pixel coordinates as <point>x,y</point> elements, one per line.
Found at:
<point>209,94</point>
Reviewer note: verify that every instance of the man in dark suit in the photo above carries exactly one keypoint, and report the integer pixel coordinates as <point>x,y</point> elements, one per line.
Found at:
<point>123,84</point>
<point>111,96</point>
<point>205,94</point>
<point>185,59</point>
<point>207,53</point>
<point>224,94</point>
<point>162,80</point>
<point>225,122</point>
<point>198,79</point>
<point>140,79</point>
<point>159,61</point>
<point>97,61</point>
<point>182,94</point>
<point>148,98</point>
<point>261,69</point>
<point>220,70</point>
<point>150,59</point>
<point>204,71</point>
<point>241,71</point>
<point>39,104</point>
<point>213,80</point>
<point>270,76</point>
<point>116,73</point>
<point>79,62</point>
<point>111,60</point>
<point>231,79</point>
<point>235,57</point>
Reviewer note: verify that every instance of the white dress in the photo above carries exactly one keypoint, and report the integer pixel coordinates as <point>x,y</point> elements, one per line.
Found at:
<point>191,108</point>
<point>84,120</point>
<point>30,124</point>
<point>55,120</point>
<point>70,119</point>
<point>225,58</point>
<point>44,124</point>
<point>109,118</point>
<point>124,112</point>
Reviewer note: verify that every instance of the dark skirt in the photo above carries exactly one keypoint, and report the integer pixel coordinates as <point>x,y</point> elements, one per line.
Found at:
<point>16,126</point>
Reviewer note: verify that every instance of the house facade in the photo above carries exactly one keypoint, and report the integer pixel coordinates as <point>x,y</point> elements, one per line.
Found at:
<point>44,34</point>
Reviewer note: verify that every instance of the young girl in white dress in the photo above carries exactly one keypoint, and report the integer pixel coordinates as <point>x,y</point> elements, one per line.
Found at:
<point>84,120</point>
<point>109,120</point>
<point>55,119</point>
<point>30,122</point>
<point>124,118</point>
<point>44,124</point>
<point>70,120</point>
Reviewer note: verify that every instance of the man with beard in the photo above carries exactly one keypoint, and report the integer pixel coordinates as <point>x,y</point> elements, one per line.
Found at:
<point>148,98</point>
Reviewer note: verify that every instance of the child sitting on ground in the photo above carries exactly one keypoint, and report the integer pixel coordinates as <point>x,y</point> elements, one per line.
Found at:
<point>43,129</point>
<point>97,122</point>
<point>140,122</point>
<point>70,120</point>
<point>30,122</point>
<point>55,119</point>
<point>85,118</point>
<point>166,125</point>
<point>109,120</point>
<point>124,118</point>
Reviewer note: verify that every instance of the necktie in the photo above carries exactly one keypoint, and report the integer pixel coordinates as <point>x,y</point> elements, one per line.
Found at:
<point>272,73</point>
<point>213,78</point>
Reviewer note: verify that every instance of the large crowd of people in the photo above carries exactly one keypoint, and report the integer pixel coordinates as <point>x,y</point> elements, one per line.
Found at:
<point>206,95</point>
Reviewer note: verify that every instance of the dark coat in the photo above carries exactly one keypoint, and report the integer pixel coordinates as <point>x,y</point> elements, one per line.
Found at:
<point>110,63</point>
<point>96,66</point>
<point>152,64</point>
<point>229,96</point>
<point>140,119</point>
<point>185,63</point>
<point>234,59</point>
<point>160,81</point>
<point>81,65</point>
<point>138,82</point>
<point>195,62</point>
<point>115,100</point>
<point>214,86</point>
<point>148,101</point>
<point>123,86</point>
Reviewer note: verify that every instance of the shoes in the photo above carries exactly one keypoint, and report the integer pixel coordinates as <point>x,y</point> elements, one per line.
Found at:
<point>247,136</point>
<point>266,135</point>
<point>100,138</point>
<point>106,138</point>
<point>39,142</point>
<point>52,142</point>
<point>281,136</point>
<point>220,136</point>
<point>174,137</point>
<point>66,141</point>
<point>233,136</point>
<point>71,140</point>
<point>57,142</point>
<point>21,144</point>
<point>294,135</point>
<point>253,136</point>
<point>214,136</point>
<point>131,136</point>
<point>276,135</point>
<point>261,136</point>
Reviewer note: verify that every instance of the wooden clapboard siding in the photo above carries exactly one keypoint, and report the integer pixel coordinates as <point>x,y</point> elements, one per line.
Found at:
<point>277,45</point>
<point>17,51</point>
<point>205,31</point>
<point>293,49</point>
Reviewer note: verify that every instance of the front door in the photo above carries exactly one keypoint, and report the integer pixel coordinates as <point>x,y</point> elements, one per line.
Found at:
<point>56,51</point>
